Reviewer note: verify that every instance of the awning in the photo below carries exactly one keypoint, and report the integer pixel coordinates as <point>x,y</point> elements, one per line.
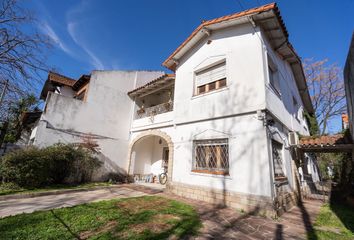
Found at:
<point>326,143</point>
<point>156,84</point>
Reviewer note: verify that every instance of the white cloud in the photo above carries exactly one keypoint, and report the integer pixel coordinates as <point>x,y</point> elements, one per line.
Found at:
<point>94,60</point>
<point>48,30</point>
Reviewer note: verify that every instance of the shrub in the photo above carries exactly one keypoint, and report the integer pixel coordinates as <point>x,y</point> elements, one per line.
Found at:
<point>33,167</point>
<point>26,167</point>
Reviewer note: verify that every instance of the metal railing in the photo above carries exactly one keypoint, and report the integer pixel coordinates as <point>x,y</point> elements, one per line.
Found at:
<point>155,110</point>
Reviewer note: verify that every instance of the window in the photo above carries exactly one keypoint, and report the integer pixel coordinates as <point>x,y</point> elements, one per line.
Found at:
<point>273,76</point>
<point>296,109</point>
<point>211,156</point>
<point>81,96</point>
<point>277,151</point>
<point>211,78</point>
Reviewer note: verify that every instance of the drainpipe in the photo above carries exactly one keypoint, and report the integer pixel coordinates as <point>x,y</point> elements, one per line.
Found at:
<point>271,163</point>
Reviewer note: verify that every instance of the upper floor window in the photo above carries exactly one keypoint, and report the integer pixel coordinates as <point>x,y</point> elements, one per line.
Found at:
<point>211,156</point>
<point>273,76</point>
<point>210,79</point>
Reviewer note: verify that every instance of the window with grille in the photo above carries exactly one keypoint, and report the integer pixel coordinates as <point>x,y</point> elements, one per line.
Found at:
<point>211,156</point>
<point>211,78</point>
<point>277,149</point>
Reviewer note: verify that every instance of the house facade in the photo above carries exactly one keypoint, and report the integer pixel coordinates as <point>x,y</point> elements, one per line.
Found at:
<point>222,125</point>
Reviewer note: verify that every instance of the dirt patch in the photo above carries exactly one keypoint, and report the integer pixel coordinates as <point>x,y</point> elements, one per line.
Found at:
<point>105,228</point>
<point>136,205</point>
<point>158,223</point>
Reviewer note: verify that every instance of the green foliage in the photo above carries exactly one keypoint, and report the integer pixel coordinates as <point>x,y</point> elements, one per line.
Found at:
<point>34,167</point>
<point>148,217</point>
<point>25,104</point>
<point>312,123</point>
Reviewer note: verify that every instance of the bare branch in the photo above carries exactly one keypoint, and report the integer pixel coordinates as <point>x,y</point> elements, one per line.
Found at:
<point>327,91</point>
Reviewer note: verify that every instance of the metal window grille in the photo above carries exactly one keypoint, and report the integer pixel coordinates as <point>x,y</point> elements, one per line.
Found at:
<point>278,159</point>
<point>212,155</point>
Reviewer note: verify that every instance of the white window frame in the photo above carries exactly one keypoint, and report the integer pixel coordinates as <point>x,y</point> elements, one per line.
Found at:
<point>273,76</point>
<point>216,81</point>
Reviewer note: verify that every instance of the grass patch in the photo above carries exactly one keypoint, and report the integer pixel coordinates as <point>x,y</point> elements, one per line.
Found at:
<point>147,217</point>
<point>335,221</point>
<point>8,188</point>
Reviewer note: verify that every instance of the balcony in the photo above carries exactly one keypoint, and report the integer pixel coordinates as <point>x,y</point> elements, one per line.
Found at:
<point>154,103</point>
<point>154,110</point>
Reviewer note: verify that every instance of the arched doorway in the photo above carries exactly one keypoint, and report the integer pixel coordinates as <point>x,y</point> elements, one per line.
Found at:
<point>148,154</point>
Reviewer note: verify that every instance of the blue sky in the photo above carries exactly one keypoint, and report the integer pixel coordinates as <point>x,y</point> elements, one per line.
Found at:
<point>140,34</point>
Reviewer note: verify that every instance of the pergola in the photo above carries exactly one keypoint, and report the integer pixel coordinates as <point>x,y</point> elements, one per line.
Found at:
<point>326,143</point>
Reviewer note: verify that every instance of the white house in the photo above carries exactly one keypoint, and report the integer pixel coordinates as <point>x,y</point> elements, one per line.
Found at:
<point>220,124</point>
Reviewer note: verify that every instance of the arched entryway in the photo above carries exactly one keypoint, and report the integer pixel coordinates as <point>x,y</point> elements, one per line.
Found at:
<point>149,153</point>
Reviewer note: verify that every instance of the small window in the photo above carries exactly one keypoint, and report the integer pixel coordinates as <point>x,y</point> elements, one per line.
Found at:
<point>201,89</point>
<point>273,76</point>
<point>222,83</point>
<point>212,86</point>
<point>81,96</point>
<point>211,156</point>
<point>211,79</point>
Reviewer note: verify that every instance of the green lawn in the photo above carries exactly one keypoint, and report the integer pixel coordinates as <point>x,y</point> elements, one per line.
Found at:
<point>334,221</point>
<point>148,217</point>
<point>6,189</point>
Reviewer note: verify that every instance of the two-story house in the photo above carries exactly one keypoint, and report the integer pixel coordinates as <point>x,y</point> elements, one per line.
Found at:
<point>220,124</point>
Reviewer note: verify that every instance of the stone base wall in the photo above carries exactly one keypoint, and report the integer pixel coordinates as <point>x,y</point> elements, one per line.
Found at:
<point>285,201</point>
<point>254,204</point>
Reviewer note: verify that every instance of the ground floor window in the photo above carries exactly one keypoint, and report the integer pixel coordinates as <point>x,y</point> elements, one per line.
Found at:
<point>211,156</point>
<point>277,151</point>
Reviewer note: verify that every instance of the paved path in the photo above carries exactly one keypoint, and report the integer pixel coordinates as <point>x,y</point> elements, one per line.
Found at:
<point>27,205</point>
<point>227,223</point>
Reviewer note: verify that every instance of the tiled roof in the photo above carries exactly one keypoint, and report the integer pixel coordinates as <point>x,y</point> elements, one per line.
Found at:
<point>58,78</point>
<point>267,7</point>
<point>165,77</point>
<point>326,140</point>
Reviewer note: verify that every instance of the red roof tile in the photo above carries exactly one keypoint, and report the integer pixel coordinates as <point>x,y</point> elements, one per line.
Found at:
<point>58,78</point>
<point>327,140</point>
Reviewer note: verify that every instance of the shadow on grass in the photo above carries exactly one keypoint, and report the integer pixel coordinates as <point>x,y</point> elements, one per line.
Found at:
<point>342,209</point>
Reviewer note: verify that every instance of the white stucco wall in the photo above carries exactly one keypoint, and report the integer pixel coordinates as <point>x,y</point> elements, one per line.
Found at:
<point>106,114</point>
<point>282,106</point>
<point>67,91</point>
<point>242,50</point>
<point>249,165</point>
<point>147,156</point>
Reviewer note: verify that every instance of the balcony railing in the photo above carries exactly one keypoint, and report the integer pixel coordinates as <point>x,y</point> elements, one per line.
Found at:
<point>155,110</point>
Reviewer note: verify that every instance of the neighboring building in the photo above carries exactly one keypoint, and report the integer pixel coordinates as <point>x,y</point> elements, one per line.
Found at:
<point>220,124</point>
<point>345,121</point>
<point>95,106</point>
<point>349,85</point>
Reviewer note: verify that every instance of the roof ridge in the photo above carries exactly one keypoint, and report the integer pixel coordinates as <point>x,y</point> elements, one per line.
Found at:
<point>263,8</point>
<point>60,75</point>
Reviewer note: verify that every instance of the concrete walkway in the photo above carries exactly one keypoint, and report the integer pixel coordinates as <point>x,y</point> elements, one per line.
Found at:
<point>28,205</point>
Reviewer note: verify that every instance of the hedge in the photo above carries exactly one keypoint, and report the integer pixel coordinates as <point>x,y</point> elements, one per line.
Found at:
<point>57,164</point>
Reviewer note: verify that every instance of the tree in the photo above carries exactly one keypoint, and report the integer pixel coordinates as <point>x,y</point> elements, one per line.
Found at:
<point>16,110</point>
<point>326,87</point>
<point>21,52</point>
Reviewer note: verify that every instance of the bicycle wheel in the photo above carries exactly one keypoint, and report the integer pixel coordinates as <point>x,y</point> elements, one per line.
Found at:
<point>163,178</point>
